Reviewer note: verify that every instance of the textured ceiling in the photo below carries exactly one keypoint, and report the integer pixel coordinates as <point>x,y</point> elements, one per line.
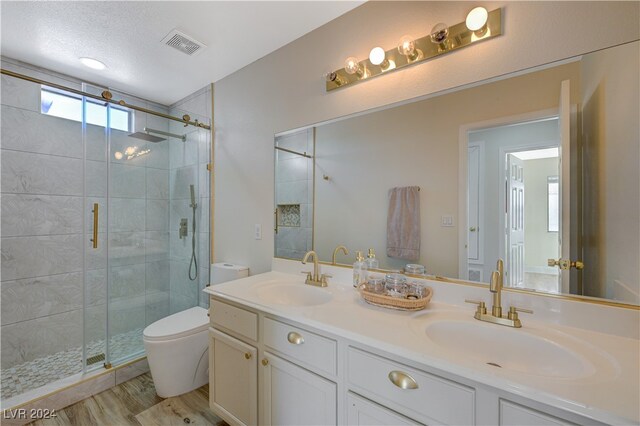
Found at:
<point>126,37</point>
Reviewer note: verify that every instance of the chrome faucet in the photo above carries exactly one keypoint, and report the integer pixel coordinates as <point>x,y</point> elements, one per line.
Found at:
<point>335,253</point>
<point>495,287</point>
<point>315,279</point>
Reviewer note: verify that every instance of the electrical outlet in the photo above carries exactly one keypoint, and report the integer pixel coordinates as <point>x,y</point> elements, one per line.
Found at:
<point>257,231</point>
<point>447,220</point>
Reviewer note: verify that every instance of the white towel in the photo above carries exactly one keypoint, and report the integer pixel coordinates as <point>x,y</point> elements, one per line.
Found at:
<point>403,223</point>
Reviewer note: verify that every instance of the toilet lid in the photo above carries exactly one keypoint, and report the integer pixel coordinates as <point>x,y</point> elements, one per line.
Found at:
<point>180,324</point>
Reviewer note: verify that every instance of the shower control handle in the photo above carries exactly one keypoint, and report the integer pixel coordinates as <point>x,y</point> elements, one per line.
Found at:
<point>184,228</point>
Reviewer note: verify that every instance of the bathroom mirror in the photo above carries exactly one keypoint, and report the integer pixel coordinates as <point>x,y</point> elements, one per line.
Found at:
<point>540,168</point>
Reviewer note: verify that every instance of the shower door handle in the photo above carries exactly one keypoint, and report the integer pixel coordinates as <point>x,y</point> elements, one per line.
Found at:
<point>275,226</point>
<point>94,240</point>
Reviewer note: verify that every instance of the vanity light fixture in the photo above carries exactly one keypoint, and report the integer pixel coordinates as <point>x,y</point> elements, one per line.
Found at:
<point>479,25</point>
<point>407,47</point>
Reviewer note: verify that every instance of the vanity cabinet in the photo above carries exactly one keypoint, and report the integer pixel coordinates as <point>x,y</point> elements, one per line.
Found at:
<point>268,370</point>
<point>292,395</point>
<point>233,378</point>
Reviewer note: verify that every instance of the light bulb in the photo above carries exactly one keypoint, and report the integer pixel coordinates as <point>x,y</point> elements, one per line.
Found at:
<point>118,155</point>
<point>334,77</point>
<point>407,47</point>
<point>377,55</point>
<point>439,32</point>
<point>351,65</point>
<point>130,150</point>
<point>477,19</point>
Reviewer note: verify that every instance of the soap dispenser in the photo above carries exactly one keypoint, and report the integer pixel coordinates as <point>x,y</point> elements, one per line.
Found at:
<point>359,270</point>
<point>372,262</point>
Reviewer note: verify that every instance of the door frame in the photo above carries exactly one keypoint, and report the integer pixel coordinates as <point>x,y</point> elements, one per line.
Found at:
<point>463,190</point>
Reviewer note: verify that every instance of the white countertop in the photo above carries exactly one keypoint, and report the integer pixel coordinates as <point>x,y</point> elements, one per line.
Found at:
<point>610,396</point>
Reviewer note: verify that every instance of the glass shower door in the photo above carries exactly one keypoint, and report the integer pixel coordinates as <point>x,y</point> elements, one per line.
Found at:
<point>95,135</point>
<point>138,231</point>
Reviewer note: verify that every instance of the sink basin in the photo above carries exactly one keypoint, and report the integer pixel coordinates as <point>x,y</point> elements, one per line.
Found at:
<point>508,348</point>
<point>293,294</point>
<point>534,350</point>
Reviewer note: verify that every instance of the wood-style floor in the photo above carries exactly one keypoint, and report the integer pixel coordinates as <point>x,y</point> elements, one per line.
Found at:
<point>135,403</point>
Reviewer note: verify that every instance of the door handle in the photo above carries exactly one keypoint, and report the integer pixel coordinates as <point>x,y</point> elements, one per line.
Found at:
<point>402,380</point>
<point>94,240</point>
<point>566,264</point>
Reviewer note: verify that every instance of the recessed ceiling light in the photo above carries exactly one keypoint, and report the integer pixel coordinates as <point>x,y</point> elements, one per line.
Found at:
<point>93,63</point>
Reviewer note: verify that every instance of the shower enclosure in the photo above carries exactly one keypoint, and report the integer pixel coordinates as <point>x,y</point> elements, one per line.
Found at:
<point>93,245</point>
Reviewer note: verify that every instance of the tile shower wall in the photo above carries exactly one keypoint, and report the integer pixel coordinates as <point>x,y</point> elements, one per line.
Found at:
<point>294,186</point>
<point>188,165</point>
<point>41,227</point>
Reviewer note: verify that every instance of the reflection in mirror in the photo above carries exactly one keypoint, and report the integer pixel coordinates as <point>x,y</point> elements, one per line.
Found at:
<point>540,169</point>
<point>293,214</point>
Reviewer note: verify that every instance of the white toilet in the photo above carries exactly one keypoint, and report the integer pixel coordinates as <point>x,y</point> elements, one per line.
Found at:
<point>178,346</point>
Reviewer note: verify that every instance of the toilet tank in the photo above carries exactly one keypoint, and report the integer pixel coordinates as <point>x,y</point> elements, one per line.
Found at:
<point>223,272</point>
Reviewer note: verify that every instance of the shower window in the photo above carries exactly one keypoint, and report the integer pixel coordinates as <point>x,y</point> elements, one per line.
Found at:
<point>66,105</point>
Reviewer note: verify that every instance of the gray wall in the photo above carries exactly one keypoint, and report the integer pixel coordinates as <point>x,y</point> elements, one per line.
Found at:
<point>285,90</point>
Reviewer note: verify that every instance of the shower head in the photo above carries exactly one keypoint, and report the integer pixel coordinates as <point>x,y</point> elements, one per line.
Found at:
<point>146,137</point>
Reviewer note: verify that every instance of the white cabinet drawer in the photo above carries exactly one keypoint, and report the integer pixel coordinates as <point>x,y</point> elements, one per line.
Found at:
<point>425,397</point>
<point>234,319</point>
<point>512,414</point>
<point>307,348</point>
<point>362,412</point>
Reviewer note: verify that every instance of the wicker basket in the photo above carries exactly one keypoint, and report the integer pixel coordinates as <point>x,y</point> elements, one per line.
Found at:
<point>396,302</point>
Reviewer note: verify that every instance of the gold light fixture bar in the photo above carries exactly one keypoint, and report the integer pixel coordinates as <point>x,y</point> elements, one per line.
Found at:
<point>459,36</point>
<point>106,97</point>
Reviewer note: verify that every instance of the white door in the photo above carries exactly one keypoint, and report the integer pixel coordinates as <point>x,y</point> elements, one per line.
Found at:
<point>292,395</point>
<point>514,269</point>
<point>233,379</point>
<point>362,412</point>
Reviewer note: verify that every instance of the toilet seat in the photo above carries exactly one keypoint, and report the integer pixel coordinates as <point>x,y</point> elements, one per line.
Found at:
<point>181,324</point>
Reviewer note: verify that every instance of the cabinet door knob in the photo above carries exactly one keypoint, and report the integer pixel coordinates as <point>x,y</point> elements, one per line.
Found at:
<point>295,338</point>
<point>265,362</point>
<point>247,355</point>
<point>402,380</point>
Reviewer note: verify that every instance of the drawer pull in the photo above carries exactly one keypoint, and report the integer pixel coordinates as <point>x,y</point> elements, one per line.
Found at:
<point>265,362</point>
<point>247,355</point>
<point>402,380</point>
<point>295,338</point>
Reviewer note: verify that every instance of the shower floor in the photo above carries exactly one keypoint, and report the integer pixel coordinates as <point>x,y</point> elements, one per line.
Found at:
<point>41,371</point>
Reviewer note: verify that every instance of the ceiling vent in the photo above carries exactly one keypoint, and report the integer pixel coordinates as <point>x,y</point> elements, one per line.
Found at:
<point>183,43</point>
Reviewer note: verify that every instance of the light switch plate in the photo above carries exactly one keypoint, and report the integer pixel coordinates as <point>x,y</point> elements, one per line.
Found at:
<point>257,231</point>
<point>447,220</point>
